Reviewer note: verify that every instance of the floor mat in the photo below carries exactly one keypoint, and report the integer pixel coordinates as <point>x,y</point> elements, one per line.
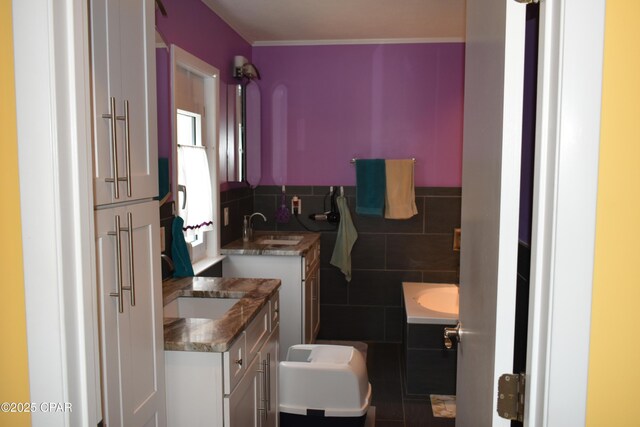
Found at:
<point>443,406</point>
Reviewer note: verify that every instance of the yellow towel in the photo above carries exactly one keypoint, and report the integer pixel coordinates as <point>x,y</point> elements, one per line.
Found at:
<point>400,197</point>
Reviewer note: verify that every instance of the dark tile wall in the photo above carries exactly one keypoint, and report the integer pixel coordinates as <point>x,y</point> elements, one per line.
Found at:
<point>239,201</point>
<point>387,252</point>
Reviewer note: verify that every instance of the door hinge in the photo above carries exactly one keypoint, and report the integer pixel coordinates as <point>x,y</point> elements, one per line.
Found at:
<point>511,396</point>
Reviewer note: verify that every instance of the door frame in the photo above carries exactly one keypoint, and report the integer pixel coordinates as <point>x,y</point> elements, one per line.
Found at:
<point>51,49</point>
<point>53,111</point>
<point>570,61</point>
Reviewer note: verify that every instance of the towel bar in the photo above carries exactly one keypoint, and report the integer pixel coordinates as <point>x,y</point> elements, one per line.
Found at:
<point>354,160</point>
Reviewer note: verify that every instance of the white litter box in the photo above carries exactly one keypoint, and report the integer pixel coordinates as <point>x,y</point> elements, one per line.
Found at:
<point>323,385</point>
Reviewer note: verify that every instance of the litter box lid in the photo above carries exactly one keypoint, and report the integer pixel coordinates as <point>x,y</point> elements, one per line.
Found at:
<point>328,378</point>
<point>334,354</point>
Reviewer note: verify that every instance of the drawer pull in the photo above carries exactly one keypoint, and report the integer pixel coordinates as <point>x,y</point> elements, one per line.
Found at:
<point>238,362</point>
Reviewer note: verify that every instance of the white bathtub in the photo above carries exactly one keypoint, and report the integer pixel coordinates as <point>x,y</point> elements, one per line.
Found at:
<point>431,303</point>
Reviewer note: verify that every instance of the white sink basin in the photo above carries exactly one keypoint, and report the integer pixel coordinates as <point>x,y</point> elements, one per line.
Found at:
<point>280,240</point>
<point>205,308</point>
<point>441,299</point>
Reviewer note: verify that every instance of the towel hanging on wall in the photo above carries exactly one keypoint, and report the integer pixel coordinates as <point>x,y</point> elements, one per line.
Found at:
<point>400,197</point>
<point>347,236</point>
<point>370,186</point>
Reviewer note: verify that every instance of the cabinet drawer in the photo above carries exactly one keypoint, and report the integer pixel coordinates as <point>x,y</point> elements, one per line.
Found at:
<point>235,363</point>
<point>257,332</point>
<point>274,307</point>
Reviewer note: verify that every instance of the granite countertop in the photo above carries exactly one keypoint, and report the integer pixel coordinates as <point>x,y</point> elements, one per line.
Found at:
<point>256,247</point>
<point>208,335</point>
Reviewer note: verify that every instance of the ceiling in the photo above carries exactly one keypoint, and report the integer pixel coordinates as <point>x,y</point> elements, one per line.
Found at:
<point>273,22</point>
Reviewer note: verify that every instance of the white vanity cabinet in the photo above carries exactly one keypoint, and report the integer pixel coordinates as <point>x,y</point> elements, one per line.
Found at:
<point>125,151</point>
<point>235,388</point>
<point>299,293</point>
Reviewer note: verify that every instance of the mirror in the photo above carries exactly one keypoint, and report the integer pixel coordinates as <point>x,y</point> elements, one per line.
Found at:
<point>243,133</point>
<point>234,146</point>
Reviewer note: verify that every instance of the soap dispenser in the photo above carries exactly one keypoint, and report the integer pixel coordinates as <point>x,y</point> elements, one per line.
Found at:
<point>247,232</point>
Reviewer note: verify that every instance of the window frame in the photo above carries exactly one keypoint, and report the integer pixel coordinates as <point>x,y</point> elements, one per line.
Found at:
<point>180,58</point>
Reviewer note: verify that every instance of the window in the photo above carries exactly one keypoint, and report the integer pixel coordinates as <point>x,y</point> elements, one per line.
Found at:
<point>195,165</point>
<point>195,201</point>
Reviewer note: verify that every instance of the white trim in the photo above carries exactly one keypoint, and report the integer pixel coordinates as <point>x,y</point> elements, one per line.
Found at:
<point>563,236</point>
<point>54,154</point>
<point>358,41</point>
<point>204,264</point>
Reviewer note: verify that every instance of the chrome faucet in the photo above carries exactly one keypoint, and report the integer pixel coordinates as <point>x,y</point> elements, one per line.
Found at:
<point>247,226</point>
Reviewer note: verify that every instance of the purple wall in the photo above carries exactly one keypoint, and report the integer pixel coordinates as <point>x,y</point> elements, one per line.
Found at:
<point>323,105</point>
<point>194,27</point>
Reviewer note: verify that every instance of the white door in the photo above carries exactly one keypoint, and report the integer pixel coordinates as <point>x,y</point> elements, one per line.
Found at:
<point>490,198</point>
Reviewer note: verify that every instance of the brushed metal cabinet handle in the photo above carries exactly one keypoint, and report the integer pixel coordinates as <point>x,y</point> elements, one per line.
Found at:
<point>114,146</point>
<point>268,371</point>
<point>265,399</point>
<point>132,279</point>
<point>127,147</point>
<point>118,294</point>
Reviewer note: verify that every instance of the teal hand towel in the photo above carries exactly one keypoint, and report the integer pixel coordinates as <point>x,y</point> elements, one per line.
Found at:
<point>179,251</point>
<point>370,186</point>
<point>347,236</point>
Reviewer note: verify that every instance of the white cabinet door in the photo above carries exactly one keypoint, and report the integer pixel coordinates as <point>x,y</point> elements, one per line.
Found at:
<point>312,305</point>
<point>270,360</point>
<point>131,334</point>
<point>308,308</point>
<point>124,100</point>
<point>315,305</point>
<point>242,406</point>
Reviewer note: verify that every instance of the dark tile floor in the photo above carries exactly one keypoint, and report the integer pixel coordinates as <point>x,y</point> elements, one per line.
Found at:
<point>393,407</point>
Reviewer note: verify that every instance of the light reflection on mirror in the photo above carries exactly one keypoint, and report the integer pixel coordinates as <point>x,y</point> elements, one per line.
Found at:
<point>243,133</point>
